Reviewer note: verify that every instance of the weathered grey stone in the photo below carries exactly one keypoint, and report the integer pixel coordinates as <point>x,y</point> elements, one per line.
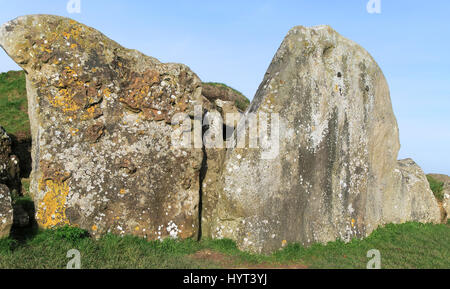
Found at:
<point>230,114</point>
<point>336,174</point>
<point>214,152</point>
<point>6,211</point>
<point>412,198</point>
<point>446,202</point>
<point>101,127</point>
<point>9,180</point>
<point>9,163</point>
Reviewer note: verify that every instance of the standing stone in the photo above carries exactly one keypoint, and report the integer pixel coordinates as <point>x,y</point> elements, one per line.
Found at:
<point>335,173</point>
<point>223,107</point>
<point>412,198</point>
<point>9,178</point>
<point>6,211</point>
<point>9,163</point>
<point>101,127</point>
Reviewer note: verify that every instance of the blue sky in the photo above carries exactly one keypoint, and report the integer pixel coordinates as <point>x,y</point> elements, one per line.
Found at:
<point>234,41</point>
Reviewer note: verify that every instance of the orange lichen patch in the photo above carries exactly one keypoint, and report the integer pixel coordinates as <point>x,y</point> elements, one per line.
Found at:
<point>52,209</point>
<point>66,35</point>
<point>73,131</point>
<point>70,118</point>
<point>69,88</point>
<point>73,31</point>
<point>283,243</point>
<point>64,100</point>
<point>45,49</point>
<point>94,228</point>
<point>353,223</point>
<point>76,96</point>
<point>123,192</point>
<point>142,95</point>
<point>106,92</point>
<point>92,112</point>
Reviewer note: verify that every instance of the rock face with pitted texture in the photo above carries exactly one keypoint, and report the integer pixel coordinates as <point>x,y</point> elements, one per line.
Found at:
<point>6,211</point>
<point>9,175</point>
<point>412,198</point>
<point>101,127</point>
<point>103,157</point>
<point>9,163</point>
<point>335,174</point>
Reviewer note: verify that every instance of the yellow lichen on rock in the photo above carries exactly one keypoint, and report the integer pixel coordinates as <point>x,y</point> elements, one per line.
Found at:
<point>52,209</point>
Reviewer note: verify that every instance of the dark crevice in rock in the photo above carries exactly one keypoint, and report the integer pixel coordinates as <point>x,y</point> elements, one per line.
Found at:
<point>21,147</point>
<point>227,132</point>
<point>24,222</point>
<point>202,174</point>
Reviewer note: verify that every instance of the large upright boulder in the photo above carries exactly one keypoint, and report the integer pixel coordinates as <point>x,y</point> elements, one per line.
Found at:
<point>9,170</point>
<point>9,163</point>
<point>335,173</point>
<point>6,211</point>
<point>101,126</point>
<point>9,184</point>
<point>412,198</point>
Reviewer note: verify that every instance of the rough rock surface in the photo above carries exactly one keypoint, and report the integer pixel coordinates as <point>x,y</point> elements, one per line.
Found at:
<point>412,198</point>
<point>6,211</point>
<point>101,127</point>
<point>9,163</point>
<point>9,178</point>
<point>336,174</point>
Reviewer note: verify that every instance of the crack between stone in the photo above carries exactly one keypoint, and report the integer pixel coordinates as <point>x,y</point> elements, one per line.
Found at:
<point>202,174</point>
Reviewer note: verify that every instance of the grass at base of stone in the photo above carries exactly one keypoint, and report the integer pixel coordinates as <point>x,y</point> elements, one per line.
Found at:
<point>410,245</point>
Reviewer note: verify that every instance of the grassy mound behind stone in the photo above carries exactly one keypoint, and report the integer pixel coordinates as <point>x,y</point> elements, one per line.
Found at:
<point>437,187</point>
<point>13,103</point>
<point>225,92</point>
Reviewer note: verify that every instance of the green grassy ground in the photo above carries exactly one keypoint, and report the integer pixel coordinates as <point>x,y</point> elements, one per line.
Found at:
<point>410,245</point>
<point>437,188</point>
<point>13,103</point>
